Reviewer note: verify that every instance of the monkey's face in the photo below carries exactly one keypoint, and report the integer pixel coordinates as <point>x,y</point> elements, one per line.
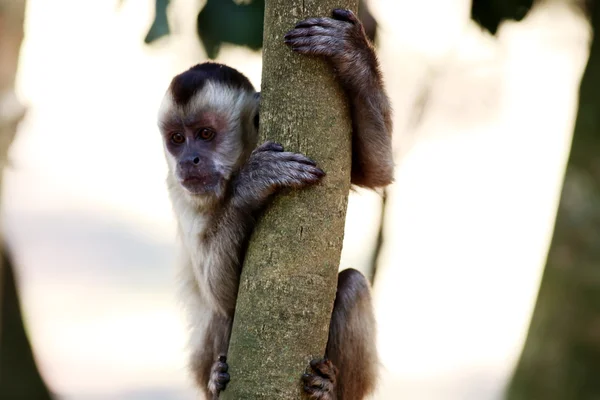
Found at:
<point>193,148</point>
<point>207,139</point>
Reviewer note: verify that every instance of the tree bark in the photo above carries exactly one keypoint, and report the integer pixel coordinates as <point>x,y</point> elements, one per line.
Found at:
<point>561,356</point>
<point>288,283</point>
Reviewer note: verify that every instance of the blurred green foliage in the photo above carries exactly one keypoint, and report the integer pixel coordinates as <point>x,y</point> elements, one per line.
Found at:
<point>219,21</point>
<point>160,25</point>
<point>236,22</point>
<point>240,22</point>
<point>224,21</point>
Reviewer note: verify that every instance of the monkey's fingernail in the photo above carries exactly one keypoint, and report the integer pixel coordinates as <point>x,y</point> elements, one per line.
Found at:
<point>305,376</point>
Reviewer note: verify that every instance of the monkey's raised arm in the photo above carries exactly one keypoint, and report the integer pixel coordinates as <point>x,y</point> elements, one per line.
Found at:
<point>343,42</point>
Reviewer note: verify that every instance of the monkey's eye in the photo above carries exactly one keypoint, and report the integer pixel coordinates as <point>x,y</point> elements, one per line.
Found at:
<point>206,134</point>
<point>177,138</point>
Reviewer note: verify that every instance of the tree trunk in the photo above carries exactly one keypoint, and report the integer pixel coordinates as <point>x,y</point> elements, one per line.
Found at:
<point>561,356</point>
<point>12,15</point>
<point>19,376</point>
<point>288,283</point>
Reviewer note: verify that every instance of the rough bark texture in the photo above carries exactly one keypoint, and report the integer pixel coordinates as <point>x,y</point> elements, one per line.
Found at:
<point>289,278</point>
<point>561,357</point>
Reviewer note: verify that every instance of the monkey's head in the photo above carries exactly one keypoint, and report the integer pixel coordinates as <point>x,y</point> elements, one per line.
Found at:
<point>209,124</point>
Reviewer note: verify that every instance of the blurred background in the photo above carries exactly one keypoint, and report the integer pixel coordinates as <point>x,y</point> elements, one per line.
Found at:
<point>481,291</point>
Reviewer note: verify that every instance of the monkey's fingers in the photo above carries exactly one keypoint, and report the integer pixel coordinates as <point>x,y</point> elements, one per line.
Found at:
<point>314,50</point>
<point>315,30</point>
<point>303,173</point>
<point>295,157</point>
<point>295,175</point>
<point>341,14</point>
<point>308,169</point>
<point>326,22</point>
<point>268,146</point>
<point>326,46</point>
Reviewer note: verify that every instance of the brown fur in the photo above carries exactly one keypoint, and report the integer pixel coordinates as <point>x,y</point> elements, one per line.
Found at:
<point>219,185</point>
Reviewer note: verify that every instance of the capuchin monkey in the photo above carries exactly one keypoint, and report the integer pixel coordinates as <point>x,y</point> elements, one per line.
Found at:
<point>219,181</point>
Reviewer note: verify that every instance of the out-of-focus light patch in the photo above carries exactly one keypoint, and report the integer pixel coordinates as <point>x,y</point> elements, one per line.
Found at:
<point>413,25</point>
<point>93,93</point>
<point>131,341</point>
<point>473,206</point>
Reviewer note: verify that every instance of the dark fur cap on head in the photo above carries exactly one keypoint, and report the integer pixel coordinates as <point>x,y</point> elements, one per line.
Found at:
<point>185,85</point>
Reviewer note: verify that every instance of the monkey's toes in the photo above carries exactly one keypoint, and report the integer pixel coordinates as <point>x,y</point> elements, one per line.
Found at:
<point>324,368</point>
<point>219,378</point>
<point>221,365</point>
<point>320,385</point>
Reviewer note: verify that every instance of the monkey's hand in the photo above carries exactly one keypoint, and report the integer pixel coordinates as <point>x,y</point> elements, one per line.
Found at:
<point>320,384</point>
<point>340,39</point>
<point>219,378</point>
<point>269,169</point>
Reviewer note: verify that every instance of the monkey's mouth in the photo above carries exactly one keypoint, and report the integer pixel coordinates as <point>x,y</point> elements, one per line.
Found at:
<point>199,184</point>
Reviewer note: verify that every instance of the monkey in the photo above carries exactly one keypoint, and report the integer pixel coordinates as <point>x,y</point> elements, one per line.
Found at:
<point>219,180</point>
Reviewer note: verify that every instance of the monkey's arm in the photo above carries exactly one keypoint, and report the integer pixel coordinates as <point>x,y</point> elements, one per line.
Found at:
<point>268,169</point>
<point>343,42</point>
<point>372,161</point>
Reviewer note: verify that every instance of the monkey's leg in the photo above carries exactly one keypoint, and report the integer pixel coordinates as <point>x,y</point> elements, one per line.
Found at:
<point>208,359</point>
<point>350,369</point>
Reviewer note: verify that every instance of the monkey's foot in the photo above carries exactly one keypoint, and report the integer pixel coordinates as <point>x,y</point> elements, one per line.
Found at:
<point>321,383</point>
<point>219,378</point>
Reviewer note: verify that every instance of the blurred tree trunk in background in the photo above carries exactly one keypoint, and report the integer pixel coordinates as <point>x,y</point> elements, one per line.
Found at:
<point>289,279</point>
<point>19,376</point>
<point>561,356</point>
